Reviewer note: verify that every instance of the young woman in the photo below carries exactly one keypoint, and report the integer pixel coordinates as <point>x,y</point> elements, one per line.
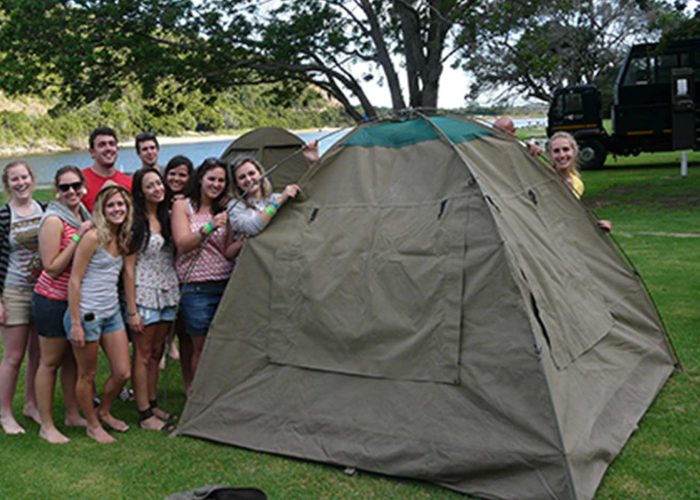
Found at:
<point>563,151</point>
<point>254,204</point>
<point>19,268</point>
<point>178,173</point>
<point>205,249</point>
<point>64,223</point>
<point>93,317</point>
<point>151,287</point>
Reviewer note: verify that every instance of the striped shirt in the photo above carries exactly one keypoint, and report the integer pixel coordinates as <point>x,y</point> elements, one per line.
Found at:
<point>57,288</point>
<point>212,264</point>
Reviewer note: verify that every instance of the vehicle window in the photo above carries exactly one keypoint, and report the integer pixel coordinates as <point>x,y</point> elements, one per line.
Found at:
<point>664,64</point>
<point>558,108</point>
<point>639,72</point>
<point>573,103</point>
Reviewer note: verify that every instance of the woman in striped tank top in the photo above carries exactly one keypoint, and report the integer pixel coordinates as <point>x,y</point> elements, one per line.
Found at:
<point>94,317</point>
<point>205,249</point>
<point>66,220</point>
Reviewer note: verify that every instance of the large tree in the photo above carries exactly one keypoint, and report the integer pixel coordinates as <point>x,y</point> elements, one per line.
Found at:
<point>85,48</point>
<point>532,48</point>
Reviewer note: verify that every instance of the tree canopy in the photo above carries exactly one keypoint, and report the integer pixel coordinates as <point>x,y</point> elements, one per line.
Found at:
<point>533,48</point>
<point>83,49</point>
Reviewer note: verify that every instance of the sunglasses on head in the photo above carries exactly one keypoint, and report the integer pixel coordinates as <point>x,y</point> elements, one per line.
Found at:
<point>73,185</point>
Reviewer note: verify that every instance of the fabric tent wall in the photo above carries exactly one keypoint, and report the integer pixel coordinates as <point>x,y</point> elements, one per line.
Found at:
<point>271,146</point>
<point>405,318</point>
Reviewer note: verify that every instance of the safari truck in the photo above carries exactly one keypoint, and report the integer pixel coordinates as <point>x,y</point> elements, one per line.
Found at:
<point>654,108</point>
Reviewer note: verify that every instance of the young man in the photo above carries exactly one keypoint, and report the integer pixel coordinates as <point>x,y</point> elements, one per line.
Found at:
<point>104,149</point>
<point>147,148</point>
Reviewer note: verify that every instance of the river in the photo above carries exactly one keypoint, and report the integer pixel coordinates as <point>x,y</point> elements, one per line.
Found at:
<point>44,165</point>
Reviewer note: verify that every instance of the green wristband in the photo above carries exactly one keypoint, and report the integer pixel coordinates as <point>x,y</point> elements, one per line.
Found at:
<point>270,210</point>
<point>75,237</point>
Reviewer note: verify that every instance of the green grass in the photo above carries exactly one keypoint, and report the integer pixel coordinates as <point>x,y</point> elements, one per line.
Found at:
<point>662,460</point>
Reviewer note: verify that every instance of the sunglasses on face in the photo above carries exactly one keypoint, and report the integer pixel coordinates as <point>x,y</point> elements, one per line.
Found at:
<point>73,185</point>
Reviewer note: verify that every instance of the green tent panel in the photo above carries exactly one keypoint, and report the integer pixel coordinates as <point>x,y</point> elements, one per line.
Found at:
<point>438,306</point>
<point>271,146</point>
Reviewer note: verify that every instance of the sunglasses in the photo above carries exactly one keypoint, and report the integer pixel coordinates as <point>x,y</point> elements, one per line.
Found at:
<point>73,185</point>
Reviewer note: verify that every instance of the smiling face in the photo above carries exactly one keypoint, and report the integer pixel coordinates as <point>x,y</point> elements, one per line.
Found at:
<point>69,189</point>
<point>20,182</point>
<point>148,152</point>
<point>248,179</point>
<point>177,178</point>
<point>105,150</point>
<point>213,183</point>
<point>152,187</point>
<point>562,154</point>
<point>115,209</point>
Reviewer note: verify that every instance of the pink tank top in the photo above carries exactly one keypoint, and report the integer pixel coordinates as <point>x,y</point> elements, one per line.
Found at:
<point>212,264</point>
<point>57,289</point>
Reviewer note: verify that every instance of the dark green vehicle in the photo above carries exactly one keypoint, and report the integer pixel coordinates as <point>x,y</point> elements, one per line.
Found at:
<point>654,105</point>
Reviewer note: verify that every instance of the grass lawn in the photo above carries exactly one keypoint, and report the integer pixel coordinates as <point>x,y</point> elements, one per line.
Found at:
<point>656,217</point>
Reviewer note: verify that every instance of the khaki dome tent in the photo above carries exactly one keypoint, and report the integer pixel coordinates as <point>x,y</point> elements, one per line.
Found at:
<point>270,146</point>
<point>439,306</point>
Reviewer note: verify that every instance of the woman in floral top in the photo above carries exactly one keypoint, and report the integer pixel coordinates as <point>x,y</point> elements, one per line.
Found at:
<point>151,291</point>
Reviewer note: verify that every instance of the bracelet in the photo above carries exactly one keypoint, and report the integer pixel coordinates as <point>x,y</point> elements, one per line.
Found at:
<point>275,204</point>
<point>133,314</point>
<point>271,210</point>
<point>208,228</point>
<point>75,237</point>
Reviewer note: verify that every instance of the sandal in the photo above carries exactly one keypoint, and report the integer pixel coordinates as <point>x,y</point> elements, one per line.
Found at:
<point>160,413</point>
<point>147,414</point>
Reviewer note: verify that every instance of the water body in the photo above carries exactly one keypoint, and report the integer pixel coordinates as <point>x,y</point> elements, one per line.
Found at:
<point>45,165</point>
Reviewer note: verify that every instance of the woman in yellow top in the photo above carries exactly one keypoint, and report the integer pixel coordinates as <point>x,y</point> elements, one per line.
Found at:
<point>563,151</point>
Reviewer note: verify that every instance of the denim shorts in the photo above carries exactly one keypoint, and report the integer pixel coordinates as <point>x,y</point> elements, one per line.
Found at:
<point>48,316</point>
<point>97,326</point>
<point>198,303</point>
<point>151,316</point>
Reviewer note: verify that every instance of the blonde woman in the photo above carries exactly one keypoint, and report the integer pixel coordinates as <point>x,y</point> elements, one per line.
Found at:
<point>94,318</point>
<point>19,268</point>
<point>563,151</point>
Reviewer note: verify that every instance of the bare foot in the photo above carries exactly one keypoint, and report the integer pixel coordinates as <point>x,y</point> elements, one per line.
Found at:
<point>161,365</point>
<point>100,435</point>
<point>75,421</point>
<point>53,436</point>
<point>174,353</point>
<point>114,423</point>
<point>31,411</point>
<point>10,425</point>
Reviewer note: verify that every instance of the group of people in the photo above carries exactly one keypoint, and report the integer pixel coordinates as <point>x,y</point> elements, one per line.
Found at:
<point>116,258</point>
<point>112,251</point>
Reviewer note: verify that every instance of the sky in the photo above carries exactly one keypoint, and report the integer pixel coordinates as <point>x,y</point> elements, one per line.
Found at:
<point>453,86</point>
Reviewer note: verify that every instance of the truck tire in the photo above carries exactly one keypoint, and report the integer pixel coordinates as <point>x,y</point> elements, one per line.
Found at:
<point>592,154</point>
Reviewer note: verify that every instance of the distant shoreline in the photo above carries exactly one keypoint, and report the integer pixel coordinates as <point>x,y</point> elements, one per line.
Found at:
<point>44,148</point>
